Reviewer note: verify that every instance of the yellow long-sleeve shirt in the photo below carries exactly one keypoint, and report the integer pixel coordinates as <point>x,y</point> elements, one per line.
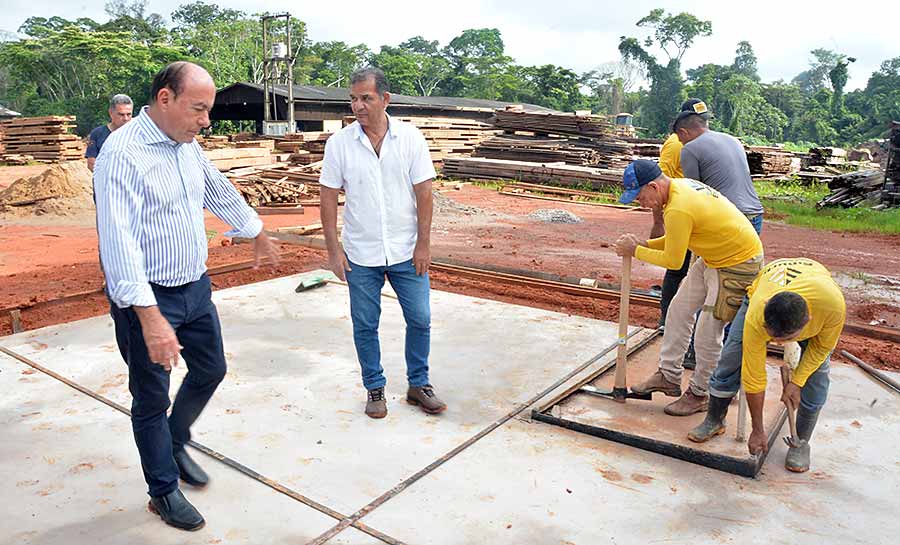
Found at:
<point>810,280</point>
<point>670,157</point>
<point>699,218</point>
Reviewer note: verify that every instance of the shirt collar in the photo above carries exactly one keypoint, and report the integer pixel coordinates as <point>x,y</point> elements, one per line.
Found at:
<point>152,133</point>
<point>360,133</point>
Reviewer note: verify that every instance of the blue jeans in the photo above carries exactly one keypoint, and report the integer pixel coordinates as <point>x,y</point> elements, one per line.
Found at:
<point>190,311</point>
<point>365,309</point>
<point>726,379</point>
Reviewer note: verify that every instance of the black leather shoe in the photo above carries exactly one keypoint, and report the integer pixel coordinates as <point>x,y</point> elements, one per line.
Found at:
<point>176,511</point>
<point>191,473</point>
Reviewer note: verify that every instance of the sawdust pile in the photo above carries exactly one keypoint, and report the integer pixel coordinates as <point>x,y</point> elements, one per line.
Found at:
<point>64,189</point>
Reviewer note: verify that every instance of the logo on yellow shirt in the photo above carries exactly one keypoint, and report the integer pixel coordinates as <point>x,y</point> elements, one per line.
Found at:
<point>784,275</point>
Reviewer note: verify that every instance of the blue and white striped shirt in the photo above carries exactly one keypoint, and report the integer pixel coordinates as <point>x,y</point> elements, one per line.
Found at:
<point>150,193</point>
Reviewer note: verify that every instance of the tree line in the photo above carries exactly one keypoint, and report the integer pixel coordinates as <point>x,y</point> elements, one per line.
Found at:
<point>60,66</point>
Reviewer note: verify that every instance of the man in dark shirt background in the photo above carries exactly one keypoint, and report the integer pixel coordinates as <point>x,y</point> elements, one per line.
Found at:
<point>120,109</point>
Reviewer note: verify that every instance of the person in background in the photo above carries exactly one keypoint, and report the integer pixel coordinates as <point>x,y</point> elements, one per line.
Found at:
<point>120,110</point>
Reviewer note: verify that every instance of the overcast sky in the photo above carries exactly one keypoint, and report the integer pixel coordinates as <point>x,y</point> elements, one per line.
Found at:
<point>578,34</point>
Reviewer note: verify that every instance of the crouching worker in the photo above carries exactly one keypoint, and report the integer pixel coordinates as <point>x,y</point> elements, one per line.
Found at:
<point>791,300</point>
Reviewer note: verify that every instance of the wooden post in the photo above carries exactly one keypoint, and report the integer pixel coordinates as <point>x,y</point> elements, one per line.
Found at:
<point>624,293</point>
<point>16,317</point>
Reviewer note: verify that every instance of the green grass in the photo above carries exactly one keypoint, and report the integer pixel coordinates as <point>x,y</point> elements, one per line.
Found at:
<point>795,204</point>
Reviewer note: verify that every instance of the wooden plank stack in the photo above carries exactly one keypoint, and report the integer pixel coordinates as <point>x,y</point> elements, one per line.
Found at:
<point>890,195</point>
<point>447,136</point>
<point>854,189</point>
<point>450,137</point>
<point>280,185</point>
<point>228,158</point>
<point>768,160</point>
<point>520,147</point>
<point>557,173</point>
<point>554,123</point>
<point>305,147</point>
<point>820,157</point>
<point>47,139</point>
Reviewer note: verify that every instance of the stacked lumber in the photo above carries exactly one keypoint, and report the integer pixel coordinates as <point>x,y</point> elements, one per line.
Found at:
<point>14,159</point>
<point>262,143</point>
<point>890,195</point>
<point>446,136</point>
<point>47,139</point>
<point>645,147</point>
<point>826,157</point>
<point>600,153</point>
<point>558,173</point>
<point>768,160</point>
<point>304,147</point>
<point>213,141</point>
<point>854,188</point>
<point>278,186</point>
<point>229,158</point>
<point>450,137</point>
<point>554,123</point>
<point>519,147</point>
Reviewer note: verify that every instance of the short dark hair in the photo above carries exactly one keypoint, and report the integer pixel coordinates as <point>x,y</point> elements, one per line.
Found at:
<point>785,313</point>
<point>381,82</point>
<point>172,76</point>
<point>693,121</point>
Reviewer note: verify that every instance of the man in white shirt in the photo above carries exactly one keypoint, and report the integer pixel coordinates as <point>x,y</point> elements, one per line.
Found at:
<point>385,169</point>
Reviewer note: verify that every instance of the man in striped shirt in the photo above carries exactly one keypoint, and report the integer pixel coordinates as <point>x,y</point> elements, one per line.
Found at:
<point>153,182</point>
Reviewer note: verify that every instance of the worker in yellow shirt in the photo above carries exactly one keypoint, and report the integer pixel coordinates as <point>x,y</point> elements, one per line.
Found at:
<point>791,300</point>
<point>730,253</point>
<point>670,164</point>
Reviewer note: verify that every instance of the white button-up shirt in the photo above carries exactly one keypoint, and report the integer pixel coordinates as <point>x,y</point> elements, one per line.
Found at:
<point>380,222</point>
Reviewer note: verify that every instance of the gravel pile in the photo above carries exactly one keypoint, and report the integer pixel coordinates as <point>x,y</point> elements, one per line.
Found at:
<point>555,216</point>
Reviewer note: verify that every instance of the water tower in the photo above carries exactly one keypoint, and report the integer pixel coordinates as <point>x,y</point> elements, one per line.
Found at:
<point>278,69</point>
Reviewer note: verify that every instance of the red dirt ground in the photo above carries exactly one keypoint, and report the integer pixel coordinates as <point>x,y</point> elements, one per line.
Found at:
<point>47,258</point>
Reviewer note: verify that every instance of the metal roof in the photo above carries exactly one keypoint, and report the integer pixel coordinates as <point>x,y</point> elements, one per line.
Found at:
<point>341,95</point>
<point>6,112</point>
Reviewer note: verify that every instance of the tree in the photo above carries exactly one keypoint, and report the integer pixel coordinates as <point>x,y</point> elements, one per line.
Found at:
<point>478,65</point>
<point>74,71</point>
<point>333,62</point>
<point>838,77</point>
<point>745,61</point>
<point>813,80</point>
<point>131,17</point>
<point>416,67</point>
<point>674,34</point>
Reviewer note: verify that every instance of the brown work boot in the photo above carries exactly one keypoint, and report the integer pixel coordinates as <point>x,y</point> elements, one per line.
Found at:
<point>424,397</point>
<point>687,404</point>
<point>658,383</point>
<point>376,406</point>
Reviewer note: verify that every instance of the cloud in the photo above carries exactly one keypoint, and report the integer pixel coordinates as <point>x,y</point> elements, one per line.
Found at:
<point>577,34</point>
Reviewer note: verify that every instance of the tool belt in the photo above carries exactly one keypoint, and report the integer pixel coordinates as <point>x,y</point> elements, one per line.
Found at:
<point>733,284</point>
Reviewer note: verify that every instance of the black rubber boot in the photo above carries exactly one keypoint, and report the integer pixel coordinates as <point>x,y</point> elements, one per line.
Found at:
<point>714,423</point>
<point>690,358</point>
<point>797,459</point>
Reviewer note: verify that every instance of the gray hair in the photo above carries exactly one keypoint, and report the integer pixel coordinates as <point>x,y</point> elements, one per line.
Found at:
<point>120,99</point>
<point>361,75</point>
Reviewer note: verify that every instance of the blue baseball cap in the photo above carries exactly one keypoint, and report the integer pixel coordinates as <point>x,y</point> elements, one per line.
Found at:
<point>638,174</point>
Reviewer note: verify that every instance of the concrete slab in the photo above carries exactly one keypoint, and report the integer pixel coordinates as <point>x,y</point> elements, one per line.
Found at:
<point>291,408</point>
<point>533,484</point>
<point>291,405</point>
<point>71,474</point>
